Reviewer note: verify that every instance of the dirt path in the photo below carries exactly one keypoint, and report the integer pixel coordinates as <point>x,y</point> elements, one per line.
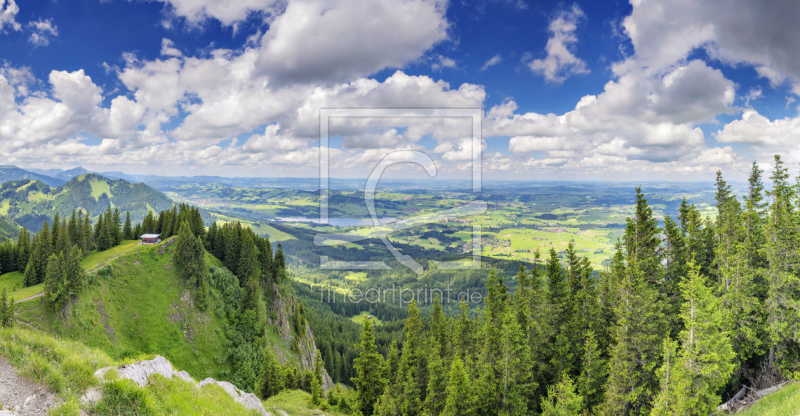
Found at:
<point>30,297</point>
<point>104,262</point>
<point>21,396</point>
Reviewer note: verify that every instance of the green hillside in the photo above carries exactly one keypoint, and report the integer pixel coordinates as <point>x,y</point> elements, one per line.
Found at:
<point>30,203</point>
<point>784,402</point>
<point>67,369</point>
<point>136,303</point>
<point>8,229</point>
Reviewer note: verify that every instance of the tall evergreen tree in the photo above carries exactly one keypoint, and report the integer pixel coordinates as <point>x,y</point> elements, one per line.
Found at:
<point>636,353</point>
<point>783,294</point>
<point>562,400</point>
<point>189,255</point>
<point>271,380</point>
<point>127,229</point>
<point>368,381</point>
<point>706,359</point>
<point>459,392</point>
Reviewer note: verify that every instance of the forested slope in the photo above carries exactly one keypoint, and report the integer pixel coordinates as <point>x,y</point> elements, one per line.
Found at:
<point>686,315</point>
<point>30,203</point>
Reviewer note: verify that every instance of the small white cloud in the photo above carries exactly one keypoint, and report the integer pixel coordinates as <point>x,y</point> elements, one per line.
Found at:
<point>752,95</point>
<point>492,62</point>
<point>41,32</point>
<point>168,48</point>
<point>560,62</point>
<point>8,15</point>
<point>441,62</point>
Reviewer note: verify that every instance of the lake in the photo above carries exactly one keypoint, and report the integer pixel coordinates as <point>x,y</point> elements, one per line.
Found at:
<point>338,222</point>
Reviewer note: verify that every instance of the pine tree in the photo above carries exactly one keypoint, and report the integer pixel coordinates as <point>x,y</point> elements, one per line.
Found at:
<point>31,275</point>
<point>116,224</point>
<point>74,275</point>
<point>783,295</point>
<point>72,228</point>
<point>316,393</point>
<point>103,235</point>
<point>636,353</point>
<point>55,235</point>
<point>435,400</point>
<point>706,358</point>
<point>23,249</point>
<point>127,229</point>
<point>88,242</point>
<point>6,310</point>
<point>593,373</point>
<point>271,381</point>
<point>54,284</point>
<point>459,393</point>
<point>279,265</point>
<point>189,255</point>
<point>248,265</point>
<point>63,245</point>
<point>368,383</point>
<point>562,399</point>
<point>642,242</point>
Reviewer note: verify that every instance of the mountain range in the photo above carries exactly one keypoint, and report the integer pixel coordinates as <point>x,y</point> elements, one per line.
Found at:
<point>31,202</point>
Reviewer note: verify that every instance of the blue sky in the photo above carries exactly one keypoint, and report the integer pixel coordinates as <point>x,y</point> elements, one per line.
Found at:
<point>570,90</point>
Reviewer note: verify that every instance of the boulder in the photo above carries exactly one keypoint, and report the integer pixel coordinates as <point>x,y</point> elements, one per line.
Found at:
<point>140,371</point>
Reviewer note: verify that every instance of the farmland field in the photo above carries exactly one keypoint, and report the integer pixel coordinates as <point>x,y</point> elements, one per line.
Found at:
<point>521,217</point>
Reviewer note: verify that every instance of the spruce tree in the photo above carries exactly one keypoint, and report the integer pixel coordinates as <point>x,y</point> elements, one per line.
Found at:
<point>88,242</point>
<point>189,255</point>
<point>437,385</point>
<point>783,294</point>
<point>592,379</point>
<point>6,310</point>
<point>706,358</point>
<point>248,265</point>
<point>368,382</point>
<point>636,353</point>
<point>74,275</point>
<point>54,284</point>
<point>459,392</point>
<point>271,380</point>
<point>562,400</point>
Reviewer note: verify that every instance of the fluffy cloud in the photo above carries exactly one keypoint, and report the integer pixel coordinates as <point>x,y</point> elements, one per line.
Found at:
<point>764,137</point>
<point>637,118</point>
<point>41,32</point>
<point>761,34</point>
<point>561,62</point>
<point>333,41</point>
<point>227,12</point>
<point>8,15</point>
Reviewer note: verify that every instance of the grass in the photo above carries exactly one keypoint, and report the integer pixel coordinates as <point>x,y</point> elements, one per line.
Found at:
<point>784,402</point>
<point>360,318</point>
<point>13,282</point>
<point>141,307</point>
<point>96,259</point>
<point>296,403</point>
<point>67,368</point>
<point>100,187</point>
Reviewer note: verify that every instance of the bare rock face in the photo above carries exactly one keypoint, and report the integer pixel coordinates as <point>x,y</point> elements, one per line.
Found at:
<point>140,371</point>
<point>248,400</point>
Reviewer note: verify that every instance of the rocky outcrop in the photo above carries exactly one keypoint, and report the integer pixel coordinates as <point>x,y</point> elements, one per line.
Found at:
<point>282,310</point>
<point>281,318</point>
<point>140,371</point>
